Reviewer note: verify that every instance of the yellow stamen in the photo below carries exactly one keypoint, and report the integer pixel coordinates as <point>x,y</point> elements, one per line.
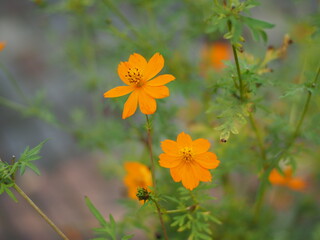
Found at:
<point>187,154</point>
<point>134,76</point>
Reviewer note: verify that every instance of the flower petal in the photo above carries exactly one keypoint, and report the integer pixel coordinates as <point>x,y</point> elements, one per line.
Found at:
<point>123,68</point>
<point>207,160</point>
<point>118,91</point>
<point>170,147</point>
<point>161,80</point>
<point>202,173</point>
<point>169,161</point>
<point>2,45</point>
<point>176,173</point>
<point>131,105</point>
<point>138,61</point>
<point>297,184</point>
<point>276,178</point>
<point>200,145</point>
<point>154,66</point>
<point>147,104</point>
<point>184,140</point>
<point>157,92</point>
<point>190,179</point>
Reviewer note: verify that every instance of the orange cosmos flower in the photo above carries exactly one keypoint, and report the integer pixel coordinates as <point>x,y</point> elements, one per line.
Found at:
<point>138,175</point>
<point>213,55</point>
<point>137,73</point>
<point>2,45</point>
<point>287,180</point>
<point>188,160</point>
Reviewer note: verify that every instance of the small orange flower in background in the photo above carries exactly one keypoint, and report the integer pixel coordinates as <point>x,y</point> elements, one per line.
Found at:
<point>2,45</point>
<point>138,175</point>
<point>276,178</point>
<point>213,55</point>
<point>137,73</point>
<point>188,160</point>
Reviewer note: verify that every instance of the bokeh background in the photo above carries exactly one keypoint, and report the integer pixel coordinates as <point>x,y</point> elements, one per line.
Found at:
<point>61,56</point>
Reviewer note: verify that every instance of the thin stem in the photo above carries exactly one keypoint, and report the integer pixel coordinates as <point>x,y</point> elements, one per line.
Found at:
<point>45,217</point>
<point>238,71</point>
<point>161,220</point>
<point>235,55</point>
<point>190,208</point>
<point>123,18</point>
<point>149,141</point>
<point>267,168</point>
<point>259,138</point>
<point>14,83</point>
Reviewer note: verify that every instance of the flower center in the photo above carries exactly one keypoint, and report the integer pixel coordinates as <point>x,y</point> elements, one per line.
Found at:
<point>186,153</point>
<point>134,76</point>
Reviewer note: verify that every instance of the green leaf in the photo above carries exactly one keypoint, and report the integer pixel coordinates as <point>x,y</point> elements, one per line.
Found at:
<point>127,237</point>
<point>255,23</point>
<point>112,222</point>
<point>95,212</point>
<point>34,168</point>
<point>257,27</point>
<point>11,195</point>
<point>29,155</point>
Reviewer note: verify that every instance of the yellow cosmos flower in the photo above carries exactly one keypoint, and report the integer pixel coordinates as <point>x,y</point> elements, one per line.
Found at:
<point>2,45</point>
<point>188,160</point>
<point>287,180</point>
<point>138,175</point>
<point>137,73</point>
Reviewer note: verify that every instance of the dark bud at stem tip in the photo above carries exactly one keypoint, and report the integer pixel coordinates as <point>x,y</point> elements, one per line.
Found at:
<point>158,235</point>
<point>143,194</point>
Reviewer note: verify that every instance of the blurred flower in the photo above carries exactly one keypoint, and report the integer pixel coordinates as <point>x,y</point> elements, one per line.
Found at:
<point>137,74</point>
<point>277,178</point>
<point>2,45</point>
<point>188,160</point>
<point>214,54</point>
<point>138,176</point>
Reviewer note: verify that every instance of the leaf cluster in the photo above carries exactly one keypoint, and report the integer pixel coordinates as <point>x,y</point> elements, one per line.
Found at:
<point>7,171</point>
<point>108,230</point>
<point>195,218</point>
<point>226,19</point>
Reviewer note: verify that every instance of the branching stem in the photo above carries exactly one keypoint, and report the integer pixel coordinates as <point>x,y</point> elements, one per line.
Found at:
<point>268,167</point>
<point>235,55</point>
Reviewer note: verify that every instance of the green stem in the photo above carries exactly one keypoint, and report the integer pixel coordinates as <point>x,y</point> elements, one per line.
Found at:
<point>123,18</point>
<point>238,71</point>
<point>55,228</point>
<point>190,208</point>
<point>236,59</point>
<point>161,220</point>
<point>259,138</point>
<point>149,141</point>
<point>14,83</point>
<point>12,105</point>
<point>268,167</point>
